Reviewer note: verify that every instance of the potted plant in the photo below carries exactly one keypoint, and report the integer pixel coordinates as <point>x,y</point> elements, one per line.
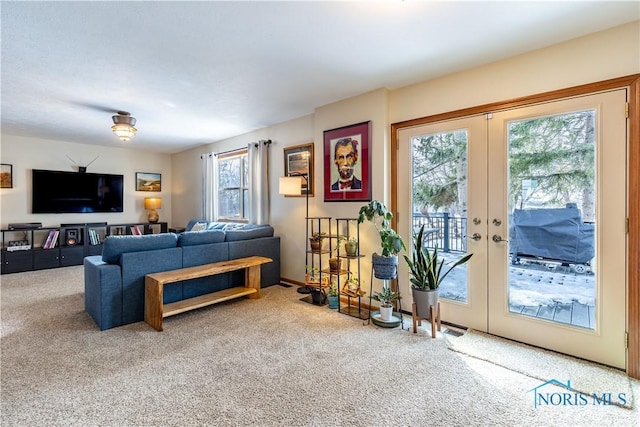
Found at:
<point>352,286</point>
<point>385,265</point>
<point>333,295</point>
<point>315,241</point>
<point>427,273</point>
<point>386,297</point>
<point>351,246</point>
<point>313,275</point>
<point>335,263</point>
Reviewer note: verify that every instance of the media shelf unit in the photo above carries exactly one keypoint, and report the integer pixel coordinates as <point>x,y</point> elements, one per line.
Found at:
<point>62,246</point>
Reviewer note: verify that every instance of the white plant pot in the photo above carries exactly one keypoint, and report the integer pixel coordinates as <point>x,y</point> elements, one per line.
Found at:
<point>386,312</point>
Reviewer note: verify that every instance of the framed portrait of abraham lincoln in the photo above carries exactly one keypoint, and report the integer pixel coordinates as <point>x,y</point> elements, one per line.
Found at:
<point>347,163</point>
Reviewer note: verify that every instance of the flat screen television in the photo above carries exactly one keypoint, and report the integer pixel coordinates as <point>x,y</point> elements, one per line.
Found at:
<point>75,192</point>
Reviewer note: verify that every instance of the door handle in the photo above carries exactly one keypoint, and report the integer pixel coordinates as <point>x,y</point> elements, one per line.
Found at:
<point>475,236</point>
<point>496,238</point>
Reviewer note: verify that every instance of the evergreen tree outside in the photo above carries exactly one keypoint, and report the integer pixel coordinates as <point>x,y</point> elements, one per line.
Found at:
<point>557,154</point>
<point>551,163</point>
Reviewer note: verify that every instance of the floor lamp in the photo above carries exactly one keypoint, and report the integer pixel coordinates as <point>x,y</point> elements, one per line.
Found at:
<point>292,186</point>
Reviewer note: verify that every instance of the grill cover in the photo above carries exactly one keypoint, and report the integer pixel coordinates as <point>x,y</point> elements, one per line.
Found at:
<point>554,234</point>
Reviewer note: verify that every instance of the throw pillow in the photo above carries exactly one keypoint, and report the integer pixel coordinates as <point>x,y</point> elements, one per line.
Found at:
<point>199,226</point>
<point>233,226</point>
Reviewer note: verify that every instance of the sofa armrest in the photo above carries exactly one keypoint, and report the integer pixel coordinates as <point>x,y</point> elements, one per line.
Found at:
<point>103,292</point>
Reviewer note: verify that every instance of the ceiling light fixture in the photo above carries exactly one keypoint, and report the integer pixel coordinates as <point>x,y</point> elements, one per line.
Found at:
<point>123,126</point>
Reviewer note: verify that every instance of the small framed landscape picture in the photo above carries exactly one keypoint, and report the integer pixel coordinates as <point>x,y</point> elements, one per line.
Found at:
<point>148,181</point>
<point>6,176</point>
<point>298,161</point>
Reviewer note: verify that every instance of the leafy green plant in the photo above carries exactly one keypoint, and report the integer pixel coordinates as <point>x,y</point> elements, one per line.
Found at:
<point>426,268</point>
<point>377,213</point>
<point>318,237</point>
<point>333,289</point>
<point>313,273</point>
<point>386,296</point>
<point>341,238</point>
<point>353,281</point>
<point>351,246</point>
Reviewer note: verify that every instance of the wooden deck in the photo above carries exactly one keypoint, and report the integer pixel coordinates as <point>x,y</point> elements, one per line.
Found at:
<point>557,294</point>
<point>574,313</point>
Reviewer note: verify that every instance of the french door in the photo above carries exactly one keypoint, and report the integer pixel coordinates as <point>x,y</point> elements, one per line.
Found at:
<point>537,194</point>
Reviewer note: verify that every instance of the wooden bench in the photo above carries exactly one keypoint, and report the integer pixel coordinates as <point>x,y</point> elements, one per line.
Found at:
<point>155,310</point>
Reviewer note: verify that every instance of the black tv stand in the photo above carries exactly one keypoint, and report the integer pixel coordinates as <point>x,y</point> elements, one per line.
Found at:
<point>62,246</point>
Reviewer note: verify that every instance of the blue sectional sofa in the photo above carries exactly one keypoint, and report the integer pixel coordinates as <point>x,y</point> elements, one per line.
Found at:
<point>114,282</point>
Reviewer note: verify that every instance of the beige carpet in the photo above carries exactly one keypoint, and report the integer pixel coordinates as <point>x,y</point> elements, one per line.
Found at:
<point>583,377</point>
<point>274,361</point>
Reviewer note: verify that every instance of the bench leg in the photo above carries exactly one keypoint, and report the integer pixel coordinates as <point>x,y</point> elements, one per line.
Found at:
<point>153,303</point>
<point>252,280</point>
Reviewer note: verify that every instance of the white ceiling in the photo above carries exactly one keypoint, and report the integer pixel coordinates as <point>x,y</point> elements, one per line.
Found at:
<point>194,73</point>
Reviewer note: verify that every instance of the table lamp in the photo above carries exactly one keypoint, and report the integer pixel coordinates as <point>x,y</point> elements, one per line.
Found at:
<point>151,204</point>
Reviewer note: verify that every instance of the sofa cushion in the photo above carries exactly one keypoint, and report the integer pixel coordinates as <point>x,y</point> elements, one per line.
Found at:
<point>114,246</point>
<point>190,238</point>
<point>251,233</point>
<point>216,225</point>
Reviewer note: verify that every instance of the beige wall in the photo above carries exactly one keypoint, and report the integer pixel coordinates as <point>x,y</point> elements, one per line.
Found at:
<point>26,154</point>
<point>600,56</point>
<point>187,185</point>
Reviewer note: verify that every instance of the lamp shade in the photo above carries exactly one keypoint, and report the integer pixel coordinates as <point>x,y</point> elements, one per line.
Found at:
<point>124,132</point>
<point>153,203</point>
<point>123,126</point>
<point>290,185</point>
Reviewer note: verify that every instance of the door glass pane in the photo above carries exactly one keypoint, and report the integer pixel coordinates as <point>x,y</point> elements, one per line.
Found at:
<point>439,201</point>
<point>552,205</point>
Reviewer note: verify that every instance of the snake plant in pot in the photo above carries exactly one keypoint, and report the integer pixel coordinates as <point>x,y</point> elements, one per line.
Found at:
<point>385,265</point>
<point>427,273</point>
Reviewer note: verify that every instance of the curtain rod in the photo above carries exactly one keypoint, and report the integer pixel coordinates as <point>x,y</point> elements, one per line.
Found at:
<point>235,150</point>
<point>264,141</point>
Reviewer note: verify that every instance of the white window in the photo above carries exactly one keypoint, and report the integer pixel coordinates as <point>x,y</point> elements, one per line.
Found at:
<point>233,185</point>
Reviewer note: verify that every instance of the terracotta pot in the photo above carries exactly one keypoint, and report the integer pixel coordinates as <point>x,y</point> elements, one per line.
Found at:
<point>335,265</point>
<point>316,245</point>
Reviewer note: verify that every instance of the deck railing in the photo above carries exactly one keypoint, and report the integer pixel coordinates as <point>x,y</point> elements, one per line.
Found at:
<point>446,232</point>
